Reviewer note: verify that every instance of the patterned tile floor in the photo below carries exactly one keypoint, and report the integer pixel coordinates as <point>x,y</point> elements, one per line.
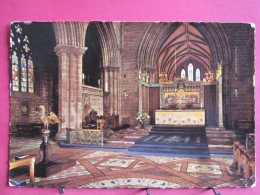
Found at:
<point>108,169</point>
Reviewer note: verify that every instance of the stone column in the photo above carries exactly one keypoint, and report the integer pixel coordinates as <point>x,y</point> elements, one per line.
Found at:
<point>116,91</point>
<point>62,52</point>
<point>79,55</point>
<point>111,90</point>
<point>70,87</point>
<point>220,103</point>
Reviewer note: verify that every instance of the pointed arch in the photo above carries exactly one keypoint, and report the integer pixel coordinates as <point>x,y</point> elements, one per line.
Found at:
<point>205,43</point>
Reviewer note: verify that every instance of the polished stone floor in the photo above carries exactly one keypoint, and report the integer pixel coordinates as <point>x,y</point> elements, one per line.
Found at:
<point>111,169</point>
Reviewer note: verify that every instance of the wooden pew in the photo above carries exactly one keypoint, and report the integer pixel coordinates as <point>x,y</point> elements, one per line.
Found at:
<point>249,163</point>
<point>245,158</point>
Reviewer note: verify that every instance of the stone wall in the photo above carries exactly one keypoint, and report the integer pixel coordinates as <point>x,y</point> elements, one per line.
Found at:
<point>239,75</point>
<point>45,97</point>
<point>132,36</point>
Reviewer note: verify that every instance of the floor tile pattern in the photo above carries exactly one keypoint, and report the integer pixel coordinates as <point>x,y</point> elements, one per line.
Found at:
<point>108,169</point>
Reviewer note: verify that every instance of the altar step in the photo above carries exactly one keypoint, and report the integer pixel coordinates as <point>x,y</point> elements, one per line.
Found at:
<point>220,141</point>
<point>188,142</point>
<point>169,151</point>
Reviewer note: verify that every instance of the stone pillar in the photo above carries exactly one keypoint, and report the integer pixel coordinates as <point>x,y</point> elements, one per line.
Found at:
<point>79,105</point>
<point>111,90</point>
<point>116,91</point>
<point>220,103</point>
<point>140,97</point>
<point>70,87</point>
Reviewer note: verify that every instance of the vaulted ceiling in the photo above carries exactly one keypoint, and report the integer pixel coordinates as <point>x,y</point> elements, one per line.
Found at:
<point>184,45</point>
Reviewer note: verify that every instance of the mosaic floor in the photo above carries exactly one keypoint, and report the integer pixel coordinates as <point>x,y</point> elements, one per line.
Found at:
<point>108,169</point>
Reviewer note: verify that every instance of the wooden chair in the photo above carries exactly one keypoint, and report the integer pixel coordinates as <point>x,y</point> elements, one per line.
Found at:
<point>100,124</point>
<point>24,162</point>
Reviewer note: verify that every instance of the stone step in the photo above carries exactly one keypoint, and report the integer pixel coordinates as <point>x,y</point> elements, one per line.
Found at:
<point>220,141</point>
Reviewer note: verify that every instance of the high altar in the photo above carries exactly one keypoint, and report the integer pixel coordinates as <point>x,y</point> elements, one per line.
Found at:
<point>181,103</point>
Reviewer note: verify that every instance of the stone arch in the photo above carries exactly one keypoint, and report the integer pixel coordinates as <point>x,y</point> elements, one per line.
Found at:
<point>109,44</point>
<point>109,40</point>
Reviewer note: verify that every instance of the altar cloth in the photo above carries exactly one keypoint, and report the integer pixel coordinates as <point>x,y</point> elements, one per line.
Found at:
<point>191,117</point>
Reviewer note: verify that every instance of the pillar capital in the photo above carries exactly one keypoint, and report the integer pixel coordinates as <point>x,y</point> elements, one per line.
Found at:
<point>68,49</point>
<point>109,68</point>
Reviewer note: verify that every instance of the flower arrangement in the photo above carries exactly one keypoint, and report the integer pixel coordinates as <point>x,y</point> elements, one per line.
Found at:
<point>142,118</point>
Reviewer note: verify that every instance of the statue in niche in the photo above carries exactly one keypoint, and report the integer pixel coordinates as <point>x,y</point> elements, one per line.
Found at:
<point>147,78</point>
<point>144,76</point>
<point>163,77</point>
<point>140,74</point>
<point>209,76</point>
<point>219,71</point>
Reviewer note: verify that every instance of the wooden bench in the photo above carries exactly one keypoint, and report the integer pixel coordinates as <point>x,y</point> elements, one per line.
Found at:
<point>249,164</point>
<point>29,128</point>
<point>244,160</point>
<point>244,124</point>
<point>24,162</point>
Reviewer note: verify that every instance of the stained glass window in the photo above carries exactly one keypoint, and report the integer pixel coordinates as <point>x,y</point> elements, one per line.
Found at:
<point>190,72</point>
<point>23,74</point>
<point>30,75</point>
<point>15,72</point>
<point>197,74</point>
<point>21,59</point>
<point>183,74</point>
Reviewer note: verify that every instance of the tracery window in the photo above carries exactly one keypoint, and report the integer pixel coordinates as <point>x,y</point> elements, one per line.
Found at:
<point>21,59</point>
<point>190,72</point>
<point>197,74</point>
<point>183,74</point>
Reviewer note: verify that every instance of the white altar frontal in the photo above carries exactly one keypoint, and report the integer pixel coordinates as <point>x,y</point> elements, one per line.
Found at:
<point>187,117</point>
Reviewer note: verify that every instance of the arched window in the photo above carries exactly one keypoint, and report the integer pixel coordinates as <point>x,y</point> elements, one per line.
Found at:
<point>21,59</point>
<point>197,74</point>
<point>190,72</point>
<point>183,74</point>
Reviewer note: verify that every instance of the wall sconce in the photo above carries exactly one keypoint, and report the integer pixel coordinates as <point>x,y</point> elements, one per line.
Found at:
<point>125,94</point>
<point>125,78</point>
<point>236,92</point>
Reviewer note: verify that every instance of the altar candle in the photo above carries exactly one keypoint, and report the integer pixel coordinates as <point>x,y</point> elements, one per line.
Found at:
<point>201,103</point>
<point>106,89</point>
<point>99,83</point>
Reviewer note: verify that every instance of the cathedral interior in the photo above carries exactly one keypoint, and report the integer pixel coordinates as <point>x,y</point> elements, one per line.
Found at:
<point>170,104</point>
